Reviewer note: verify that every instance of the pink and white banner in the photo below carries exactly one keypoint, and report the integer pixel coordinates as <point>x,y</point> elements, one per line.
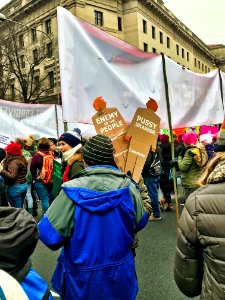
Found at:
<point>94,63</point>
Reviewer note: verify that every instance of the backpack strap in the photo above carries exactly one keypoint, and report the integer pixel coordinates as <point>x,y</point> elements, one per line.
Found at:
<point>42,154</point>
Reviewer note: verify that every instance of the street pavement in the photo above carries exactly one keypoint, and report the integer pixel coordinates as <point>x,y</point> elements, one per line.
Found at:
<point>154,260</point>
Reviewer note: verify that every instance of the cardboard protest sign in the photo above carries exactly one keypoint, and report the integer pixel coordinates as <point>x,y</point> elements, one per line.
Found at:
<point>143,135</point>
<point>57,178</point>
<point>109,122</point>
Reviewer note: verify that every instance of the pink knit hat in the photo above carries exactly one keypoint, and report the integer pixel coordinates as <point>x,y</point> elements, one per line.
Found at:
<point>190,138</point>
<point>164,138</point>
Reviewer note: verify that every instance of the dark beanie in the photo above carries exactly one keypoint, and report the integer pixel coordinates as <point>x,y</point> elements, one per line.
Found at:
<point>2,154</point>
<point>72,138</point>
<point>99,150</point>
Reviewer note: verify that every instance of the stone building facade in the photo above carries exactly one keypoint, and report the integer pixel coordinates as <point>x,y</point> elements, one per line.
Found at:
<point>145,24</point>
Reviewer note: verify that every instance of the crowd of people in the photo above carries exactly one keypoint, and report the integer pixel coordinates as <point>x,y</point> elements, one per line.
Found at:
<point>99,209</point>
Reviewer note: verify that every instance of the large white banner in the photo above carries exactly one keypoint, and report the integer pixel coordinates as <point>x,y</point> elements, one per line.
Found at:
<point>21,120</point>
<point>195,99</point>
<point>94,63</point>
<point>223,86</point>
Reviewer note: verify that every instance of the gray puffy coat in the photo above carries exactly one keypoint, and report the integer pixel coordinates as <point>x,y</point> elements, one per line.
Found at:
<point>200,254</point>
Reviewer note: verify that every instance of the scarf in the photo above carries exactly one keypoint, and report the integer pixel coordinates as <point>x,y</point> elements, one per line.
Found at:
<point>66,156</point>
<point>71,152</point>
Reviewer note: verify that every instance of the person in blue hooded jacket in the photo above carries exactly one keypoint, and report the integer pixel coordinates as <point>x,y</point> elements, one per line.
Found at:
<point>94,219</point>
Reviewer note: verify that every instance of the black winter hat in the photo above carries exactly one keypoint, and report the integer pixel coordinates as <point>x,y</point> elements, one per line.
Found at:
<point>71,137</point>
<point>99,150</point>
<point>2,154</point>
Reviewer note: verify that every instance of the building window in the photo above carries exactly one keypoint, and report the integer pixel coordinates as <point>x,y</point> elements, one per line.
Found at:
<point>36,83</point>
<point>49,50</point>
<point>199,65</point>
<point>34,35</point>
<point>144,26</point>
<point>48,26</point>
<point>35,57</point>
<point>161,37</point>
<point>51,80</point>
<point>120,24</point>
<point>98,18</point>
<point>168,42</point>
<point>22,61</point>
<point>21,40</point>
<point>205,69</point>
<point>145,47</point>
<point>202,67</point>
<point>13,94</point>
<point>208,69</point>
<point>195,62</point>
<point>153,32</point>
<point>154,50</point>
<point>182,52</point>
<point>187,56</point>
<point>177,48</point>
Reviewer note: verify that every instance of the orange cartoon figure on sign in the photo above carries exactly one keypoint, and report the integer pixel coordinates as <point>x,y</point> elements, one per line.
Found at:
<point>142,134</point>
<point>109,122</point>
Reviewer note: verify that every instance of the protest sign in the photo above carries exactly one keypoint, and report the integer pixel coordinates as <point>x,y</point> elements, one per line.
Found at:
<point>143,134</point>
<point>109,122</point>
<point>57,178</point>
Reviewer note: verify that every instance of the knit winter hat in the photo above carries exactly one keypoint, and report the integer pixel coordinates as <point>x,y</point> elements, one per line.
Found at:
<point>2,154</point>
<point>221,135</point>
<point>14,149</point>
<point>29,140</point>
<point>164,138</point>
<point>180,137</point>
<point>72,137</point>
<point>98,150</point>
<point>206,138</point>
<point>190,138</point>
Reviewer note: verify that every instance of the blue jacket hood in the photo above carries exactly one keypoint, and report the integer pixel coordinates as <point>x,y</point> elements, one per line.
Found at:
<point>95,201</point>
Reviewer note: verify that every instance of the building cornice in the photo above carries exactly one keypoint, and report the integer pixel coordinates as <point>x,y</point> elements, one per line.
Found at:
<point>176,24</point>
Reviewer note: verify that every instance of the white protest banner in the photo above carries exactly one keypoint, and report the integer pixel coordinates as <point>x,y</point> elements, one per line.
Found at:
<point>94,63</point>
<point>223,86</point>
<point>195,99</point>
<point>4,140</point>
<point>22,119</point>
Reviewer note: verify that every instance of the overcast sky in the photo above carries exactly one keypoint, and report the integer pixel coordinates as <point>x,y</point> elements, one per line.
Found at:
<point>206,18</point>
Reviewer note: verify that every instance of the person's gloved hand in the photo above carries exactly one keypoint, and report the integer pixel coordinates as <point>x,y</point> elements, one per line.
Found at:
<point>182,152</point>
<point>174,163</point>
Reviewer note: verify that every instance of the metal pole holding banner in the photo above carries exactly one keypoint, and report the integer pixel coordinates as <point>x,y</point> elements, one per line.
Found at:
<point>221,88</point>
<point>56,121</point>
<point>65,126</point>
<point>171,133</point>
